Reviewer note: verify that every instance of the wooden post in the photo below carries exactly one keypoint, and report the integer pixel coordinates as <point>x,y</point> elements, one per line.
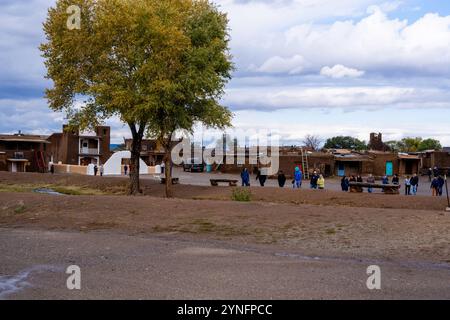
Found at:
<point>446,189</point>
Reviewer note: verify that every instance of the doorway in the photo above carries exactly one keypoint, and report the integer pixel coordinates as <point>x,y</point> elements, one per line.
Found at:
<point>389,168</point>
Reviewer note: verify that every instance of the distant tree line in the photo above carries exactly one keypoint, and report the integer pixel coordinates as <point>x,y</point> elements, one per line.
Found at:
<point>345,142</point>
<point>404,145</point>
<point>414,145</point>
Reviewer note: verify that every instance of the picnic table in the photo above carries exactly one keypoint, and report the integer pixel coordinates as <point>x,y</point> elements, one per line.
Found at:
<point>216,182</point>
<point>358,187</point>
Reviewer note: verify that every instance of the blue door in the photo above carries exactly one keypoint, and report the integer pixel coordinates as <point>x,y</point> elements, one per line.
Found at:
<point>341,170</point>
<point>389,168</point>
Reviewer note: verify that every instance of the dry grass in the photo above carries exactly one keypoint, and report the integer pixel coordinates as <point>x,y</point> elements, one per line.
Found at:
<point>66,190</point>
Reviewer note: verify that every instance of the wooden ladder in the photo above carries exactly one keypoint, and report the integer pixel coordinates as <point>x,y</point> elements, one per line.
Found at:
<point>305,164</point>
<point>39,155</point>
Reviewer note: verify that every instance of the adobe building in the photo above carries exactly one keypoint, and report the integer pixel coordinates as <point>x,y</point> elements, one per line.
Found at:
<point>350,163</point>
<point>390,163</point>
<point>76,148</point>
<point>432,158</point>
<point>317,161</point>
<point>249,157</point>
<point>376,143</point>
<point>23,153</point>
<point>152,152</point>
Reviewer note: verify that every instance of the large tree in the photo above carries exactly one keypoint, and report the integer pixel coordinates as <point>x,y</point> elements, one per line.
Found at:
<point>198,85</point>
<point>430,144</point>
<point>345,142</point>
<point>410,144</point>
<point>148,62</point>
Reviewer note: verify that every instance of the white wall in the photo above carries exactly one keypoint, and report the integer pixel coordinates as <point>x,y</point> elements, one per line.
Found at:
<point>113,167</point>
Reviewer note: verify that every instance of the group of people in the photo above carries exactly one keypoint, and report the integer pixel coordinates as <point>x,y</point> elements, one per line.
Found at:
<point>99,169</point>
<point>345,181</point>
<point>317,181</point>
<point>411,183</point>
<point>245,177</point>
<point>437,186</point>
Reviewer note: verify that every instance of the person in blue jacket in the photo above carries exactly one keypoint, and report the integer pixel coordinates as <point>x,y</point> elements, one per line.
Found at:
<point>298,177</point>
<point>245,176</point>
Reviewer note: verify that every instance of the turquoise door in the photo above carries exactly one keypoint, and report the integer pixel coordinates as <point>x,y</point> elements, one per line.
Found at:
<point>389,168</point>
<point>341,170</point>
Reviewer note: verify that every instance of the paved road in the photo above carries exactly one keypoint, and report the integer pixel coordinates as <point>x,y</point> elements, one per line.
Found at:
<point>33,264</point>
<point>202,179</point>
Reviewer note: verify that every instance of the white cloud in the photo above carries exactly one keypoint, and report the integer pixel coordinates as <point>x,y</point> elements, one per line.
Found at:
<point>288,42</point>
<point>340,71</point>
<point>293,65</point>
<point>375,43</point>
<point>294,126</point>
<point>346,98</point>
<point>385,6</point>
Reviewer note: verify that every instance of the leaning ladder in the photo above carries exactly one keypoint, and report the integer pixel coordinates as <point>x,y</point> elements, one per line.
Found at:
<point>305,164</point>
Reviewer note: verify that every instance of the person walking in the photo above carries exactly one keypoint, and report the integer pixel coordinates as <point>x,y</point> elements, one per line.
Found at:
<point>344,184</point>
<point>102,170</point>
<point>261,178</point>
<point>125,169</point>
<point>298,177</point>
<point>245,176</point>
<point>370,180</point>
<point>95,170</point>
<point>430,173</point>
<point>321,182</point>
<point>436,171</point>
<point>407,186</point>
<point>414,183</point>
<point>313,182</point>
<point>281,179</point>
<point>434,187</point>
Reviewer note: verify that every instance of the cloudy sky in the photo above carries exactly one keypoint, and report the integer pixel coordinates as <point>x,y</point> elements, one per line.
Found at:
<point>321,67</point>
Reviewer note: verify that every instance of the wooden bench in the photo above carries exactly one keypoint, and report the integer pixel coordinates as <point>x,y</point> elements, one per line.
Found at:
<point>216,182</point>
<point>174,180</point>
<point>358,187</point>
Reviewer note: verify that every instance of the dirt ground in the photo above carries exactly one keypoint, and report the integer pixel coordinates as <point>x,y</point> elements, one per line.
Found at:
<point>310,222</point>
<point>118,186</point>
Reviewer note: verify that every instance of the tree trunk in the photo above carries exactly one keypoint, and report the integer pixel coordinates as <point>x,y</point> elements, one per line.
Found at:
<point>136,147</point>
<point>168,172</point>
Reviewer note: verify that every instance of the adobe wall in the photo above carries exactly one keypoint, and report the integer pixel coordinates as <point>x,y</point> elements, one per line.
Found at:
<point>105,141</point>
<point>3,164</point>
<point>380,160</point>
<point>440,159</point>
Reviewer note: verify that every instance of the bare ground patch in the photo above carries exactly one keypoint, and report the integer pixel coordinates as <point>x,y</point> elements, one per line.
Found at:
<point>310,229</point>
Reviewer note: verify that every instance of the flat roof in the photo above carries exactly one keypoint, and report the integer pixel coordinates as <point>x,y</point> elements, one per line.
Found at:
<point>408,157</point>
<point>24,138</point>
<point>352,158</point>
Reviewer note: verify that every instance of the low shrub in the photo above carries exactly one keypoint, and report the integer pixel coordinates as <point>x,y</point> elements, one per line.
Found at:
<point>241,195</point>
